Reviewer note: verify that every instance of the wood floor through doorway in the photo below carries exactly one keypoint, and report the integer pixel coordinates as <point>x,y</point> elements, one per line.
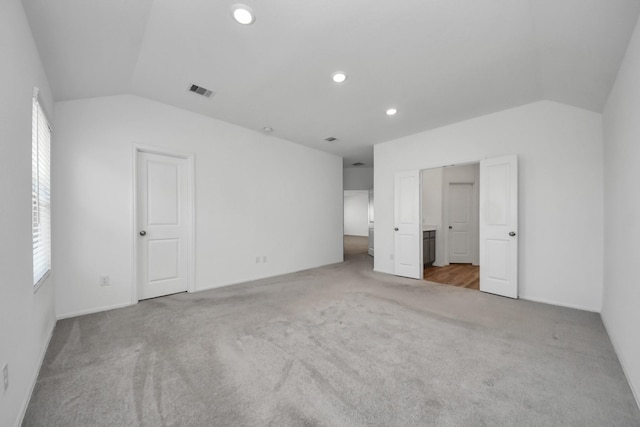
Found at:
<point>462,275</point>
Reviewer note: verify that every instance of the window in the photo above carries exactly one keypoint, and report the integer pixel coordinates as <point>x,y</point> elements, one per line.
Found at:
<point>40,192</point>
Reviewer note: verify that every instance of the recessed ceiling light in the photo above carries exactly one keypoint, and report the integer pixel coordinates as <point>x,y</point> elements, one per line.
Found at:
<point>339,77</point>
<point>267,129</point>
<point>391,112</point>
<point>243,14</point>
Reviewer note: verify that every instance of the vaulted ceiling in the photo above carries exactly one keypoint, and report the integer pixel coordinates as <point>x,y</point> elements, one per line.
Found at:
<point>436,61</point>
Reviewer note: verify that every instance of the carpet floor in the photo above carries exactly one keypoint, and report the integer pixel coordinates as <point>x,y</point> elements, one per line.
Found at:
<point>339,345</point>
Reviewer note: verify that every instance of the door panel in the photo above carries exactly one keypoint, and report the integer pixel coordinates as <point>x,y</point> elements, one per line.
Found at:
<point>163,217</point>
<point>499,226</point>
<point>498,260</point>
<point>165,256</point>
<point>408,233</point>
<point>459,245</point>
<point>162,193</point>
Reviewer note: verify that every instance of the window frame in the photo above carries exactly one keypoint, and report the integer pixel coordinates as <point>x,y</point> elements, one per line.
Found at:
<point>40,193</point>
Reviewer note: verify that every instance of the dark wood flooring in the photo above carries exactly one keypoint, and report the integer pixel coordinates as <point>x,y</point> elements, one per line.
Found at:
<point>463,275</point>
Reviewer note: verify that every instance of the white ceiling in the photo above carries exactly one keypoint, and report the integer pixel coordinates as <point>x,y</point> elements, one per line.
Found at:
<point>437,61</point>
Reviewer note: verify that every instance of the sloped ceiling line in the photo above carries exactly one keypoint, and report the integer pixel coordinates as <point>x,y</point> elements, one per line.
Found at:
<point>438,62</point>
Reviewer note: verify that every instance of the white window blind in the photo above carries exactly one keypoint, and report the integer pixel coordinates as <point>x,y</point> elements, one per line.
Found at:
<point>40,192</point>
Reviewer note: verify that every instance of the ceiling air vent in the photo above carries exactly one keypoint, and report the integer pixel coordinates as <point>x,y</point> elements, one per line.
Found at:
<point>201,91</point>
<point>331,139</point>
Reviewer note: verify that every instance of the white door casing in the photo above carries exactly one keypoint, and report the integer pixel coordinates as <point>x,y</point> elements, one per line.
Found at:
<point>460,223</point>
<point>164,224</point>
<point>499,226</point>
<point>407,229</point>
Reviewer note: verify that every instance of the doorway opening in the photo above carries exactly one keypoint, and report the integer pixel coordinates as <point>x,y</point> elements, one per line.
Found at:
<point>450,225</point>
<point>358,223</point>
<point>163,215</point>
<point>497,251</point>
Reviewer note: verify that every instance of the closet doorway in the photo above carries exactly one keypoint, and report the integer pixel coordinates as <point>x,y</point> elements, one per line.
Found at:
<point>450,226</point>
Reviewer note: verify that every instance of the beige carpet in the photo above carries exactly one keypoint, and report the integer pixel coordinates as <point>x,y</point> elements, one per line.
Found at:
<point>355,245</point>
<point>334,346</point>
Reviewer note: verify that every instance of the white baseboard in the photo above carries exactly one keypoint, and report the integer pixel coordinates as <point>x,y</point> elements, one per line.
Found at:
<point>559,304</point>
<point>622,360</point>
<point>240,282</point>
<point>43,352</point>
<point>256,278</point>
<point>92,310</point>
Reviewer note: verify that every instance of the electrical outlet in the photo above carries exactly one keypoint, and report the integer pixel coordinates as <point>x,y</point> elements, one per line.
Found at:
<point>5,376</point>
<point>257,260</point>
<point>105,281</point>
<point>264,258</point>
<point>391,257</point>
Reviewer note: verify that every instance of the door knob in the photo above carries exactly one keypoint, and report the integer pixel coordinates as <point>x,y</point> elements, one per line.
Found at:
<point>450,227</point>
<point>396,229</point>
<point>143,233</point>
<point>512,233</point>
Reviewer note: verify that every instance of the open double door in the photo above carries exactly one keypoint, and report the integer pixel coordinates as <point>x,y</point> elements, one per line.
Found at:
<point>498,226</point>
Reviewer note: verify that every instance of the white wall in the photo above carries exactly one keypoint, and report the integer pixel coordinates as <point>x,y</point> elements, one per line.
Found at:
<point>356,213</point>
<point>561,192</point>
<point>621,305</point>
<point>432,197</point>
<point>358,178</point>
<point>432,208</point>
<point>26,318</point>
<point>256,195</point>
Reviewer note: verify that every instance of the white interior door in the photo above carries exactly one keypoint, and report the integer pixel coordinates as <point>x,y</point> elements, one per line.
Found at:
<point>499,226</point>
<point>407,229</point>
<point>460,223</point>
<point>163,224</point>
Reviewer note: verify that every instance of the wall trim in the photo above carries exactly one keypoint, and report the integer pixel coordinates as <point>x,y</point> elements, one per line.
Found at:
<point>257,278</point>
<point>208,288</point>
<point>559,304</point>
<point>43,352</point>
<point>92,310</point>
<point>524,298</point>
<point>621,360</point>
